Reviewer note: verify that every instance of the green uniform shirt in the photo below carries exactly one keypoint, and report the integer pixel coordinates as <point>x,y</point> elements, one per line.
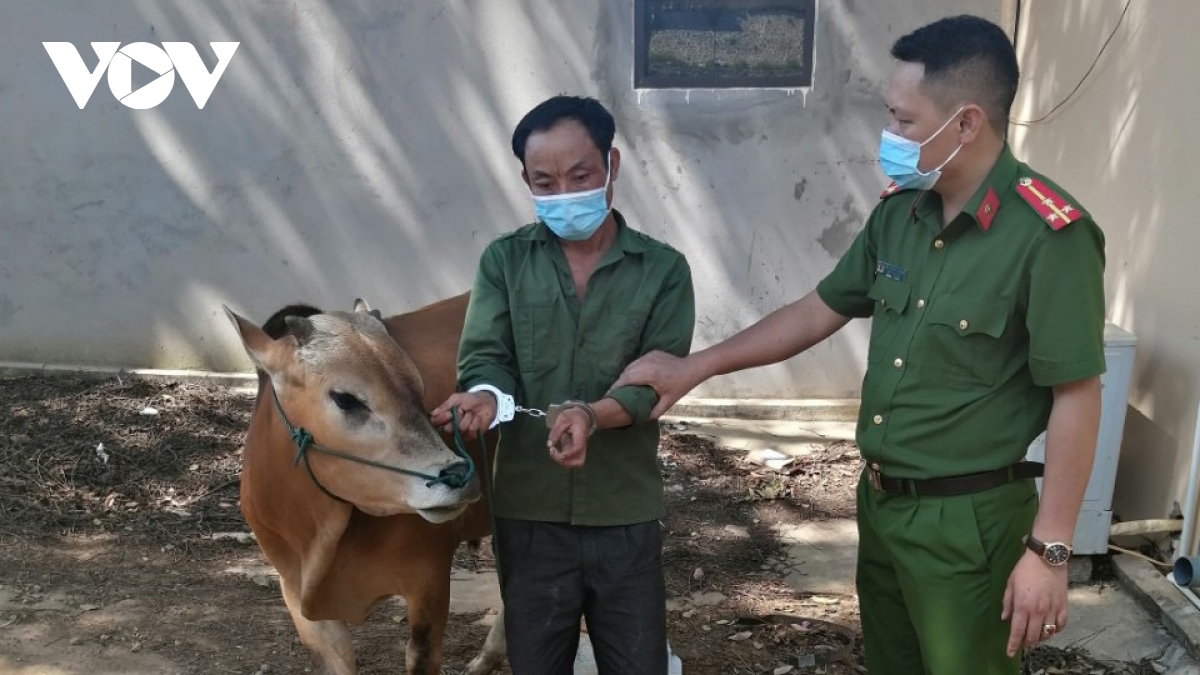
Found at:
<point>528,334</point>
<point>973,322</point>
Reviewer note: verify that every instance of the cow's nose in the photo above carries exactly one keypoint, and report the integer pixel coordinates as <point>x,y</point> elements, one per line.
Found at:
<point>455,474</point>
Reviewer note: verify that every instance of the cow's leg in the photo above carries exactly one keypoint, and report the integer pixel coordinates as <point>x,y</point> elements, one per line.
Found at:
<point>329,642</point>
<point>492,654</point>
<point>428,601</point>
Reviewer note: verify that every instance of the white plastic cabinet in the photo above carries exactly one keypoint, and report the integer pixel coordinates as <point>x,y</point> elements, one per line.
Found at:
<point>1095,517</point>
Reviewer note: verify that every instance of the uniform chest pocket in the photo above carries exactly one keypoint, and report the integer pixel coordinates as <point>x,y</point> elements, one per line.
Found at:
<point>620,348</point>
<point>534,332</point>
<point>964,340</point>
<point>891,303</point>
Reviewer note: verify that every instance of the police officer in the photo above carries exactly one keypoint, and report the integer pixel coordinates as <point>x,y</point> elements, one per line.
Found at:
<point>984,281</point>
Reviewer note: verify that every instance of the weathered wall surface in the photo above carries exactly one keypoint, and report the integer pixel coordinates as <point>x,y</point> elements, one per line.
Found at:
<point>361,149</point>
<point>1123,147</point>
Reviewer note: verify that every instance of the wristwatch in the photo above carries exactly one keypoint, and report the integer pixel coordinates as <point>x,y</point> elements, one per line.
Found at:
<point>1055,553</point>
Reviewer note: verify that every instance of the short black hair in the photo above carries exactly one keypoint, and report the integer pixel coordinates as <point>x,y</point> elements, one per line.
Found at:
<point>965,58</point>
<point>587,111</point>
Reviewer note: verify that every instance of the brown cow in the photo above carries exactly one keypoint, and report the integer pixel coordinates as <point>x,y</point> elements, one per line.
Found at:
<point>345,535</point>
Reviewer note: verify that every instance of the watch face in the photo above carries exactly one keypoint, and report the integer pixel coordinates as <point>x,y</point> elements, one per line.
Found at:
<point>1057,554</point>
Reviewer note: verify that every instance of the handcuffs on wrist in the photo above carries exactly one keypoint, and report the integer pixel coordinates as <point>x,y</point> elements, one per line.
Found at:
<point>506,408</point>
<point>554,411</point>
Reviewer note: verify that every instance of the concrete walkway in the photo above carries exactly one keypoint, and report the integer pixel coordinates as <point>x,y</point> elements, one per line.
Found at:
<point>1106,621</point>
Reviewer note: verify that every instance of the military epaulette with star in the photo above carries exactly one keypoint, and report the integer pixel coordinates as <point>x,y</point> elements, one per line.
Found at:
<point>890,190</point>
<point>1049,205</point>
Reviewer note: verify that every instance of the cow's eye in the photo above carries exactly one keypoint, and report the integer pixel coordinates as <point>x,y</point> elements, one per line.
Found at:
<point>347,402</point>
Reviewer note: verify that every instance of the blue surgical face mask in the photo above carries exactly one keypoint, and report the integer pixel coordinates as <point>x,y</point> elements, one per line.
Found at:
<point>900,159</point>
<point>574,216</point>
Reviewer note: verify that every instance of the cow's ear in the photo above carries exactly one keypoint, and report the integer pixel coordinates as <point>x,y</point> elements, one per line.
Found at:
<point>361,307</point>
<point>301,328</point>
<point>261,349</point>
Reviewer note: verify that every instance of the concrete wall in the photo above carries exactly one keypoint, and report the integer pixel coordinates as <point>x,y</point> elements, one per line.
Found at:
<point>1126,147</point>
<point>361,148</point>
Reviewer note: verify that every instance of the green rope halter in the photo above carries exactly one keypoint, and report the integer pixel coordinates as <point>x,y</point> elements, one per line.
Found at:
<point>305,443</point>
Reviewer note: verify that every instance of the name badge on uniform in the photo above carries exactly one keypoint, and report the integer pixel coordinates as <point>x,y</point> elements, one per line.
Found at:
<point>890,270</point>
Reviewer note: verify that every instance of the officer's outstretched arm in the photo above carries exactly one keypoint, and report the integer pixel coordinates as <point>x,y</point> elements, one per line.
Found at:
<point>779,336</point>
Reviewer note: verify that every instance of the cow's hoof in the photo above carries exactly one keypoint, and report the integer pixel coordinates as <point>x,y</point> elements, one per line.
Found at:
<point>480,666</point>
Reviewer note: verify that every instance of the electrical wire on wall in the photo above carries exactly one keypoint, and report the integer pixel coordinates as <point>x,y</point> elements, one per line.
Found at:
<point>1043,118</point>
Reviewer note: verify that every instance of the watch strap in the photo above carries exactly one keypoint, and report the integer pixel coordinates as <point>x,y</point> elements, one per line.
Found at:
<point>1041,548</point>
<point>1034,544</point>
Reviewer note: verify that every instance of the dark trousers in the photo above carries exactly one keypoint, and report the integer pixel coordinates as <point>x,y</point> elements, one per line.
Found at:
<point>552,574</point>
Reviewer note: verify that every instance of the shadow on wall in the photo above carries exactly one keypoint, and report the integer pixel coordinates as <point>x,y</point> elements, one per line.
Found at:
<point>320,170</point>
<point>362,191</point>
<point>791,178</point>
<point>327,166</point>
<point>1155,457</point>
<point>1109,147</point>
<point>1156,453</point>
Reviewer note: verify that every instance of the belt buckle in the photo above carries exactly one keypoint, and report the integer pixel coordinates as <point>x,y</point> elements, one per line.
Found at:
<point>873,477</point>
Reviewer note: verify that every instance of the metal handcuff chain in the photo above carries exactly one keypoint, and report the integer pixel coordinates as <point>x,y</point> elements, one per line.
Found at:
<point>551,416</point>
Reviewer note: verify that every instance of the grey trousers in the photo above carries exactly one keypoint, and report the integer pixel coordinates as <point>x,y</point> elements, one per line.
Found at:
<point>551,574</point>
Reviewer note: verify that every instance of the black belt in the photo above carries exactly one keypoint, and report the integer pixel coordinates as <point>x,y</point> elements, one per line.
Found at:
<point>951,486</point>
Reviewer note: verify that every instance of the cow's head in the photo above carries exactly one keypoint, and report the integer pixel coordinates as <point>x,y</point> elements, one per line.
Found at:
<point>341,377</point>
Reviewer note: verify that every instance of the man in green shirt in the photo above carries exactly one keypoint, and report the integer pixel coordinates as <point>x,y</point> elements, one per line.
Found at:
<point>984,282</point>
<point>558,309</point>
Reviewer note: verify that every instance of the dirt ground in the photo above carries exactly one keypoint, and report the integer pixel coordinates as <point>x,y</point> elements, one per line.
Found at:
<point>122,549</point>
